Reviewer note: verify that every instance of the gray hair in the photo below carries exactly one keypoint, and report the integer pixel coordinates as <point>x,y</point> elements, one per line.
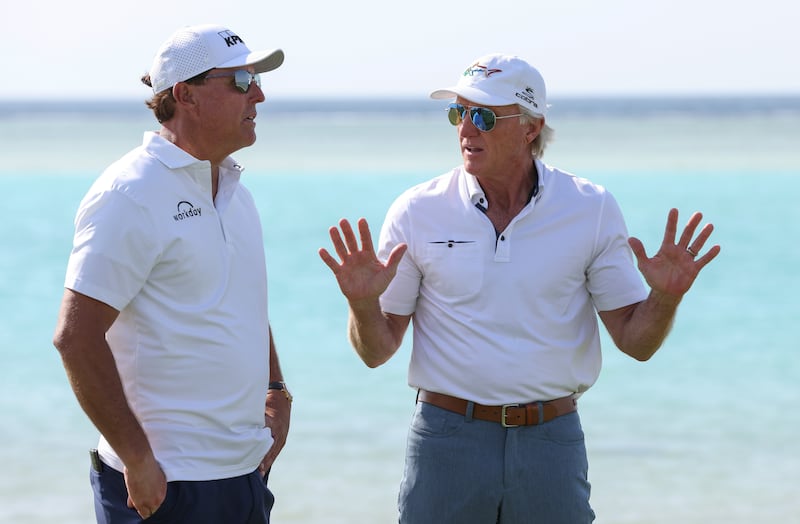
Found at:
<point>546,135</point>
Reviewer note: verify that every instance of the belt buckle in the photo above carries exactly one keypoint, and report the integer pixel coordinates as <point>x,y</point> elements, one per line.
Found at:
<point>504,414</point>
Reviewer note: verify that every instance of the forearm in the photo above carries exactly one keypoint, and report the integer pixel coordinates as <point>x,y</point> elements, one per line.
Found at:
<point>275,373</point>
<point>374,335</point>
<point>98,389</point>
<point>80,338</point>
<point>648,325</point>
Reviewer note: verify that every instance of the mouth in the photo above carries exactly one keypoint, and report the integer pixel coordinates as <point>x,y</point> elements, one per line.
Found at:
<point>472,149</point>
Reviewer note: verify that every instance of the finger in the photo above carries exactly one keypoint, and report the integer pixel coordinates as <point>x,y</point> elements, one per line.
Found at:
<point>144,513</point>
<point>395,256</point>
<point>338,243</point>
<point>701,239</point>
<point>349,237</point>
<point>672,226</point>
<point>366,236</point>
<point>328,259</point>
<point>689,229</point>
<point>708,257</point>
<point>638,249</point>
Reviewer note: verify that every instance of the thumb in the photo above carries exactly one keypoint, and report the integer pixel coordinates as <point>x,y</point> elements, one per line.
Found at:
<point>638,249</point>
<point>395,256</point>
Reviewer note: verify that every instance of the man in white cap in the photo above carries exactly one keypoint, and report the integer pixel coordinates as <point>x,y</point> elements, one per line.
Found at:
<point>164,329</point>
<point>504,264</point>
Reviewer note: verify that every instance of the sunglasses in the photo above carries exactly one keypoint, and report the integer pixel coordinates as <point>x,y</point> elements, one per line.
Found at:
<point>482,118</point>
<point>241,79</point>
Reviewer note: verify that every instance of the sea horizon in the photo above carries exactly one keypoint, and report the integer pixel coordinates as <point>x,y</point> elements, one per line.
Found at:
<point>635,104</point>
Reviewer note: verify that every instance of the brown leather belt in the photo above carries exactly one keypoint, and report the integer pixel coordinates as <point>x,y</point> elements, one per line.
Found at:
<point>509,415</point>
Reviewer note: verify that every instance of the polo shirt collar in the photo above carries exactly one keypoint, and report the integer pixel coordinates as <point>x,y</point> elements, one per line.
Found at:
<point>174,157</point>
<point>477,195</point>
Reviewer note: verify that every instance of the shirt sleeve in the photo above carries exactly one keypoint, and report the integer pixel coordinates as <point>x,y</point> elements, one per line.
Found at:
<point>400,298</point>
<point>113,249</point>
<point>612,278</point>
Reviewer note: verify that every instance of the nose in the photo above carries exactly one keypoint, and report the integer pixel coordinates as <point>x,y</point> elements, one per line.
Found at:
<point>256,92</point>
<point>466,127</point>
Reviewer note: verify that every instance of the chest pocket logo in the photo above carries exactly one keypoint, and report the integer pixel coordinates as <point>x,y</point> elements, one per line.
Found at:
<point>453,268</point>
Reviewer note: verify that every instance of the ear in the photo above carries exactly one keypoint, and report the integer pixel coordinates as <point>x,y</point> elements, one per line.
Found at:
<point>534,129</point>
<point>183,94</point>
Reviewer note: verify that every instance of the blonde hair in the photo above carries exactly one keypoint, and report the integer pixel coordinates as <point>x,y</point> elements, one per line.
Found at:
<point>545,136</point>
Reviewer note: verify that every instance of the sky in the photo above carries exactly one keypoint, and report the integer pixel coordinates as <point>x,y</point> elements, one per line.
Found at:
<point>99,49</point>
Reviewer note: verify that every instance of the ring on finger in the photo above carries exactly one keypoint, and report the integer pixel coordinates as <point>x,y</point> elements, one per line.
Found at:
<point>691,251</point>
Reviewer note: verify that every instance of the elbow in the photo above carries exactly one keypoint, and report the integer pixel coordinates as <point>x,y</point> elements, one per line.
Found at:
<point>61,340</point>
<point>372,364</point>
<point>64,342</point>
<point>373,361</point>
<point>639,353</point>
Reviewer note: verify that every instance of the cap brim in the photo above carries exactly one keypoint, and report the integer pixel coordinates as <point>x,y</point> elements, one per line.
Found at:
<point>262,61</point>
<point>471,94</point>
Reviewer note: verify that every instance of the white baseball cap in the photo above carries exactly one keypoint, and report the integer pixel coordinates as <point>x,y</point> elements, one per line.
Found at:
<point>500,80</point>
<point>195,49</point>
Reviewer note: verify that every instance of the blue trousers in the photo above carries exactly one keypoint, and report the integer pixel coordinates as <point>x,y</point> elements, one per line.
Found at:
<point>238,500</point>
<point>464,471</point>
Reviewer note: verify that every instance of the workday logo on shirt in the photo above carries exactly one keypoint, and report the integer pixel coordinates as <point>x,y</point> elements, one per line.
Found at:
<point>187,210</point>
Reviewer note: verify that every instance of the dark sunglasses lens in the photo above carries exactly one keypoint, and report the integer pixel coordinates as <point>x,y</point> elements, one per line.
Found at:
<point>482,118</point>
<point>455,112</point>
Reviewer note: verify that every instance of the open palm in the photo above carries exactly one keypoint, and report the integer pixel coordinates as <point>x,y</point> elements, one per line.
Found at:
<point>361,275</point>
<point>674,268</point>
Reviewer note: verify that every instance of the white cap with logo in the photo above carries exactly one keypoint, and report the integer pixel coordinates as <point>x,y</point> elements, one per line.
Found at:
<point>500,80</point>
<point>195,49</point>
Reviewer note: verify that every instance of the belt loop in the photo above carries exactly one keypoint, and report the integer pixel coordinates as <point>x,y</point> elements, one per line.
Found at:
<point>540,407</point>
<point>470,409</point>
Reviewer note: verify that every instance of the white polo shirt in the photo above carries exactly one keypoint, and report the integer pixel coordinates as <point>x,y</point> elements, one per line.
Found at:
<point>508,318</point>
<point>191,342</point>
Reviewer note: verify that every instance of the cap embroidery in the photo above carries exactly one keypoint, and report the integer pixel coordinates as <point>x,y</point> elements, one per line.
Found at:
<point>528,96</point>
<point>476,68</point>
<point>231,38</point>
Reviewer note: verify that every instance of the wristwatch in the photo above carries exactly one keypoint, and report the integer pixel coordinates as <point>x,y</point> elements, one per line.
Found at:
<point>281,386</point>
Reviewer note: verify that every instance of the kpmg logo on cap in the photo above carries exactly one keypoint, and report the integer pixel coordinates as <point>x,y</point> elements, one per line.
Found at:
<point>231,39</point>
<point>528,96</point>
<point>477,69</point>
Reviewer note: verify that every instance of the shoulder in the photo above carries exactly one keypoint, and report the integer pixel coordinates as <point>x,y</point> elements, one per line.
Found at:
<point>432,191</point>
<point>564,182</point>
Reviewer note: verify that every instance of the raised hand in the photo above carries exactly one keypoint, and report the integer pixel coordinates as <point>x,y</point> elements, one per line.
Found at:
<point>360,274</point>
<point>674,268</point>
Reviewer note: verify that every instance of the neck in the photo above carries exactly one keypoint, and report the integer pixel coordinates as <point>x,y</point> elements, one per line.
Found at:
<point>170,135</point>
<point>511,191</point>
<point>507,200</point>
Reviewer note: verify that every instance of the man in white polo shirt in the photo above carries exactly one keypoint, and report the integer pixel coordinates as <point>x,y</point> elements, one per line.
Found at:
<point>504,264</point>
<point>164,328</point>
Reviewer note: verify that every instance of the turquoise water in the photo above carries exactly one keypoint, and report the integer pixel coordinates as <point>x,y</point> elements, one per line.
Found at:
<point>703,433</point>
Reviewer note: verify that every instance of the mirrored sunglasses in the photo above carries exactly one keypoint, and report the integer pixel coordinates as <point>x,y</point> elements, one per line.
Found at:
<point>241,79</point>
<point>482,118</point>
